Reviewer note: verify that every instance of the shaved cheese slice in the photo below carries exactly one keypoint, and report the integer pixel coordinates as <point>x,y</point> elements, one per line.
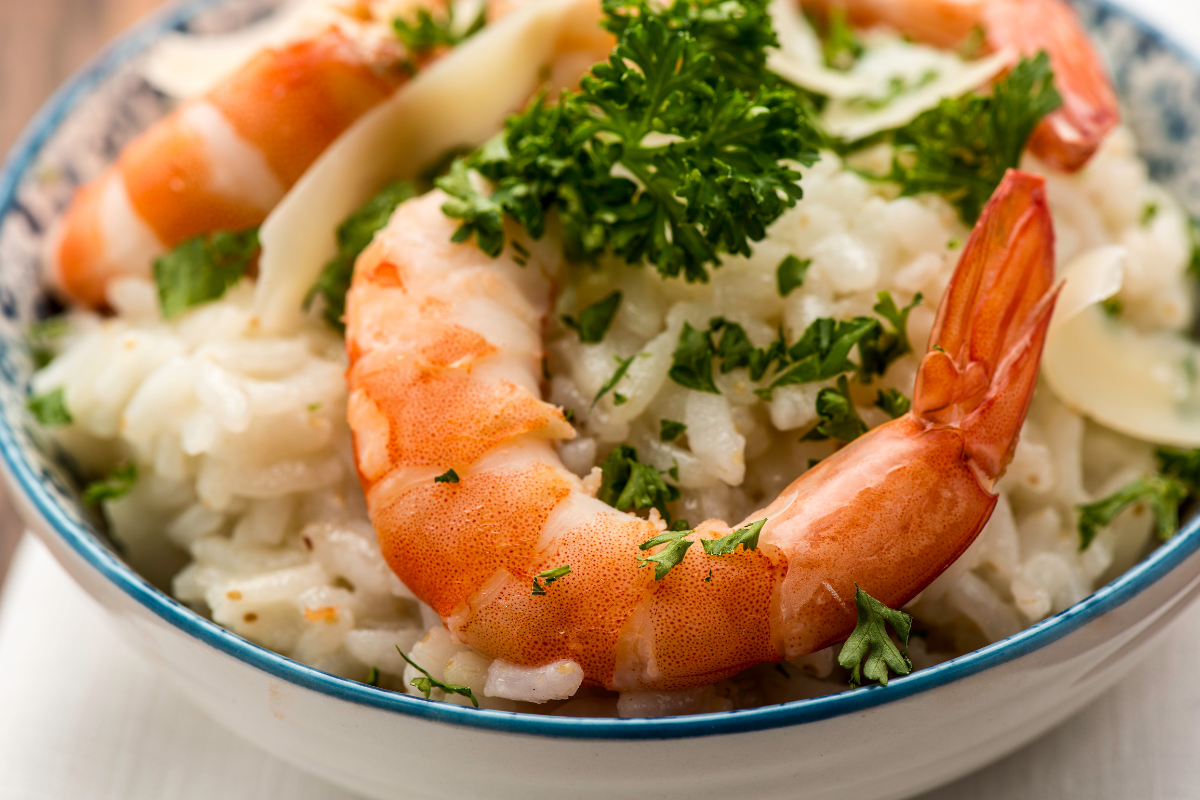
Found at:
<point>944,77</point>
<point>460,100</point>
<point>799,57</point>
<point>187,65</point>
<point>1144,385</point>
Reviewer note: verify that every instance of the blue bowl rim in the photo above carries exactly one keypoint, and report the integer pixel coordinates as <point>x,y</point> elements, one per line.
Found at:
<point>23,154</point>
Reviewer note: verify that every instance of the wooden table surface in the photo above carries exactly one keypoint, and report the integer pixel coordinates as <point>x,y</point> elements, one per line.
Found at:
<point>41,43</point>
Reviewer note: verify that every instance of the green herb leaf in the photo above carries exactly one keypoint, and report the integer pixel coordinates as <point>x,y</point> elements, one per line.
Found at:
<point>823,351</point>
<point>667,558</point>
<point>692,72</point>
<point>353,236</point>
<point>202,269</point>
<point>625,483</point>
<point>882,348</point>
<point>1149,212</point>
<point>43,338</point>
<point>747,537</point>
<point>50,408</point>
<point>1162,494</point>
<point>1193,231</point>
<point>595,320</point>
<point>449,476</point>
<point>693,361</point>
<point>789,275</point>
<point>1182,465</point>
<point>622,368</point>
<point>428,683</point>
<point>839,43</point>
<point>870,641</point>
<point>549,576</point>
<point>962,148</point>
<point>118,484</point>
<point>669,430</point>
<point>425,32</point>
<point>893,402</point>
<point>373,676</point>
<point>839,418</point>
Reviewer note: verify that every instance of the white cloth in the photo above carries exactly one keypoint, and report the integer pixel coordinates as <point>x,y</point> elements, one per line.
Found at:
<point>84,717</point>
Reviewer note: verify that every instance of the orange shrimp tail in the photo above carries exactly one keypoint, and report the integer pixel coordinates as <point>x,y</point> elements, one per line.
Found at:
<point>986,343</point>
<point>1068,137</point>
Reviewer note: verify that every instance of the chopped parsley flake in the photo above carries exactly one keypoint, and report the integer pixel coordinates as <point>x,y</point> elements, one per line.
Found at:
<point>373,676</point>
<point>353,236</point>
<point>424,33</point>
<point>823,352</point>
<point>668,557</point>
<point>838,418</point>
<point>669,430</point>
<point>569,414</point>
<point>622,368</point>
<point>962,148</point>
<point>449,476</point>
<point>1149,212</point>
<point>202,268</point>
<point>1193,230</point>
<point>50,408</point>
<point>625,483</point>
<point>594,320</point>
<point>840,46</point>
<point>789,275</point>
<point>870,641</point>
<point>894,403</point>
<point>1161,494</point>
<point>693,361</point>
<point>619,399</point>
<point>118,484</point>
<point>747,537</point>
<point>549,576</point>
<point>428,683</point>
<point>882,348</point>
<point>43,339</point>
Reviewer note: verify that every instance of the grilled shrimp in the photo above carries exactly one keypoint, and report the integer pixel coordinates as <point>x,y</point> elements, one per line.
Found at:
<point>445,350</point>
<point>1066,138</point>
<point>222,162</point>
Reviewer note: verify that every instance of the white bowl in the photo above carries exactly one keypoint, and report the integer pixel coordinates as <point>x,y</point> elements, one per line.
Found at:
<point>882,742</point>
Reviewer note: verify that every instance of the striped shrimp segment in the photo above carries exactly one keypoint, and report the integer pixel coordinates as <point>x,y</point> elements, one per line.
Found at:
<point>220,162</point>
<point>1066,138</point>
<point>890,511</point>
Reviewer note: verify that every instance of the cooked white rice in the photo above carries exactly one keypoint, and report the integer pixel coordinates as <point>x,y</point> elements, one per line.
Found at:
<point>247,505</point>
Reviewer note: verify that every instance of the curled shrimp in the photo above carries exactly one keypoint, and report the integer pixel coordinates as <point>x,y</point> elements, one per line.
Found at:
<point>222,161</point>
<point>445,349</point>
<point>1066,138</point>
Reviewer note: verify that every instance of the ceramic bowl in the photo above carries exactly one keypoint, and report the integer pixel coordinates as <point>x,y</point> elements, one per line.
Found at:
<point>881,742</point>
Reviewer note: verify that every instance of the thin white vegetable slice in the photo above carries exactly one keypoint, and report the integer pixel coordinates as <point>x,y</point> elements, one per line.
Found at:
<point>799,58</point>
<point>459,101</point>
<point>1144,385</point>
<point>857,118</point>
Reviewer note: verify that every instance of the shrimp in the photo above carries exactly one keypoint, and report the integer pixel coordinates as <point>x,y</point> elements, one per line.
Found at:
<point>223,161</point>
<point>1067,137</point>
<point>445,352</point>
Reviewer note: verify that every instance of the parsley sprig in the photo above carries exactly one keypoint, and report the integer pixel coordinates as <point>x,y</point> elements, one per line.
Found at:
<point>870,641</point>
<point>549,576</point>
<point>962,148</point>
<point>670,153</point>
<point>626,483</point>
<point>669,556</point>
<point>203,268</point>
<point>1178,478</point>
<point>747,537</point>
<point>426,683</point>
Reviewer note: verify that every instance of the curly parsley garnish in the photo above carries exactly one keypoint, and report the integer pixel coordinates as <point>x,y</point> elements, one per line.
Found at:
<point>353,236</point>
<point>962,148</point>
<point>670,153</point>
<point>594,320</point>
<point>747,537</point>
<point>50,408</point>
<point>428,683</point>
<point>870,640</point>
<point>118,484</point>
<point>668,557</point>
<point>626,483</point>
<point>549,576</point>
<point>203,268</point>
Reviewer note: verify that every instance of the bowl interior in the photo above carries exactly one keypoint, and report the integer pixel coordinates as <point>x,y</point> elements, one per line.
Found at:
<point>86,124</point>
